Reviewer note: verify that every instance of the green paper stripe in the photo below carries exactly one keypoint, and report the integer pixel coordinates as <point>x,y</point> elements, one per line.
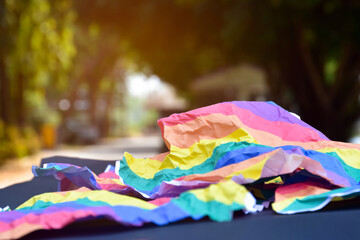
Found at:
<point>216,211</point>
<point>208,165</point>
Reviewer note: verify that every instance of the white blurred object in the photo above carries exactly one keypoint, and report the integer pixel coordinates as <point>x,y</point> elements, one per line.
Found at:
<point>64,104</point>
<point>294,114</point>
<point>355,140</point>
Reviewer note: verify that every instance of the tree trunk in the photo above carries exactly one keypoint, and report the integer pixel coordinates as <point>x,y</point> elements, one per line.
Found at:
<point>4,94</point>
<point>332,114</point>
<point>20,102</point>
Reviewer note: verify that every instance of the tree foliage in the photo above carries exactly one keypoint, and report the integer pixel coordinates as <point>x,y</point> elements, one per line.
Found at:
<point>37,53</point>
<point>50,50</point>
<point>95,77</point>
<point>308,49</point>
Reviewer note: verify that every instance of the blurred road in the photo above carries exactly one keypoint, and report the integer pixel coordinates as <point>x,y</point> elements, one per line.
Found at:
<point>19,170</point>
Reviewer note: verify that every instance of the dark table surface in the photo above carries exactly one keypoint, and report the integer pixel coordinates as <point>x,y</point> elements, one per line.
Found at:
<point>338,220</point>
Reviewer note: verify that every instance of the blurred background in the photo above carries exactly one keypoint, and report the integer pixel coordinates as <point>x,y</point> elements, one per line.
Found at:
<point>77,72</point>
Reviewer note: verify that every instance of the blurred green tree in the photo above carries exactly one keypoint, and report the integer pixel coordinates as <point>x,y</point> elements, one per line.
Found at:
<point>36,55</point>
<point>96,75</point>
<point>36,52</point>
<point>308,49</point>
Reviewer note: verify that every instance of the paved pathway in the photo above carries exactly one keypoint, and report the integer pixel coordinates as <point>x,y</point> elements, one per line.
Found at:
<point>19,170</point>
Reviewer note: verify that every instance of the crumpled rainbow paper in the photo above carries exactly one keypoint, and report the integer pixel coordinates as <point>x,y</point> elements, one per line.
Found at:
<point>222,158</point>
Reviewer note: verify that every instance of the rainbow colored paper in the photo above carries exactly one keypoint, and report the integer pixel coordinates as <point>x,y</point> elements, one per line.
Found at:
<point>222,158</point>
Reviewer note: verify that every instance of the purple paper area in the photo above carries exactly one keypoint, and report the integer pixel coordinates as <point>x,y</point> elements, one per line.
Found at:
<point>273,112</point>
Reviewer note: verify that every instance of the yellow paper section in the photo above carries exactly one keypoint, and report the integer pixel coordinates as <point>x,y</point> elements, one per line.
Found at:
<point>225,192</point>
<point>184,158</point>
<point>96,195</point>
<point>350,156</point>
<point>279,206</point>
<point>275,180</point>
<point>252,172</point>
